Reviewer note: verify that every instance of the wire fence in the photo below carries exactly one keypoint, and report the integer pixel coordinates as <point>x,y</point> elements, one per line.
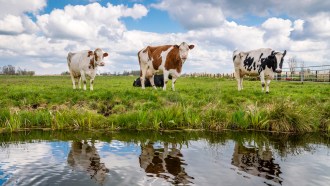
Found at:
<point>319,73</point>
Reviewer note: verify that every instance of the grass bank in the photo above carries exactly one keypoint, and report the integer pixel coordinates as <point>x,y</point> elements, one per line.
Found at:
<point>198,103</point>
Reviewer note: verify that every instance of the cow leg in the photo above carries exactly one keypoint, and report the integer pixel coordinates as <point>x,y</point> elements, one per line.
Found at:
<point>262,79</point>
<point>144,68</point>
<point>79,82</point>
<point>267,86</point>
<point>73,81</point>
<point>152,81</point>
<point>241,83</point>
<point>238,79</point>
<point>173,82</point>
<point>166,73</point>
<point>91,81</point>
<point>83,78</point>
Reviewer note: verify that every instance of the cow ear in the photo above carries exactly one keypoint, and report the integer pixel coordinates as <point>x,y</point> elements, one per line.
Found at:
<point>191,46</point>
<point>90,53</point>
<point>271,56</point>
<point>176,46</point>
<point>105,54</point>
<point>284,53</point>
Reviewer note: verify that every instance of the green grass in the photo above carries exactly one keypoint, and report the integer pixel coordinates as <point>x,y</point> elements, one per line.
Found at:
<point>197,103</point>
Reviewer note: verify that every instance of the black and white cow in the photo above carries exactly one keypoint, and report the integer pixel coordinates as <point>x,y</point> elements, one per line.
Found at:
<point>158,80</point>
<point>263,62</point>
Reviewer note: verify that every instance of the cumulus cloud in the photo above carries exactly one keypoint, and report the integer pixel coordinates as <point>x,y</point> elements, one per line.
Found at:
<point>238,9</point>
<point>192,14</point>
<point>277,32</point>
<point>87,22</point>
<point>13,25</point>
<point>18,7</point>
<point>13,20</point>
<point>318,26</point>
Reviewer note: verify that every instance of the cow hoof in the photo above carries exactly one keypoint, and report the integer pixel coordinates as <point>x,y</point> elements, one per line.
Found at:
<point>267,92</point>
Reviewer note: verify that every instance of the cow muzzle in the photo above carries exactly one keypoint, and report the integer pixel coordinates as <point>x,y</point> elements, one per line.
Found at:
<point>102,64</point>
<point>278,70</point>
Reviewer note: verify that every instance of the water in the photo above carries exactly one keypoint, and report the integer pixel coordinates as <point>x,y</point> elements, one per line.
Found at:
<point>163,158</point>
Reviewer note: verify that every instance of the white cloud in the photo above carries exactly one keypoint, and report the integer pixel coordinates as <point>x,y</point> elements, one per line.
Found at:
<point>318,26</point>
<point>88,22</point>
<point>18,7</point>
<point>277,32</point>
<point>298,25</point>
<point>239,9</point>
<point>11,24</point>
<point>12,16</point>
<point>192,15</point>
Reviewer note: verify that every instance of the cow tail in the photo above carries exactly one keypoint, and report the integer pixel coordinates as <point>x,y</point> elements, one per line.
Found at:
<point>138,54</point>
<point>69,58</point>
<point>235,55</point>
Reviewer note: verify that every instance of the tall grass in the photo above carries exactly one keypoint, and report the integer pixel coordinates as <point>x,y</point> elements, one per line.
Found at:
<point>198,103</point>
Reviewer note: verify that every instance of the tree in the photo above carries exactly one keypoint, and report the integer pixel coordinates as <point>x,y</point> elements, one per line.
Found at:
<point>8,70</point>
<point>65,73</point>
<point>292,62</point>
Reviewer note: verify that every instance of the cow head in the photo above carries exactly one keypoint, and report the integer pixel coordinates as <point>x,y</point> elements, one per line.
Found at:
<point>98,56</point>
<point>277,58</point>
<point>183,50</point>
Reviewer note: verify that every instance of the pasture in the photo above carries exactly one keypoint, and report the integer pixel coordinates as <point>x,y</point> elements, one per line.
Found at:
<point>198,103</point>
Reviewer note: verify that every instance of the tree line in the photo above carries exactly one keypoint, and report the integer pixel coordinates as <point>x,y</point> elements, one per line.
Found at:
<point>11,70</point>
<point>124,73</point>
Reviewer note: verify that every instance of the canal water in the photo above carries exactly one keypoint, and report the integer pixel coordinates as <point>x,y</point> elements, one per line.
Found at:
<point>163,158</point>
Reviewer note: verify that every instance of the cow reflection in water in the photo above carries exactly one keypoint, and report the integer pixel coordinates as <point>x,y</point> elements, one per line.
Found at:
<point>84,157</point>
<point>257,162</point>
<point>164,161</point>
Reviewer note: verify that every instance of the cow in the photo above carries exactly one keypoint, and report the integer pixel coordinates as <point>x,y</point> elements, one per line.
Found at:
<point>166,162</point>
<point>85,63</point>
<point>158,80</point>
<point>84,156</point>
<point>263,62</point>
<point>256,161</point>
<point>166,59</point>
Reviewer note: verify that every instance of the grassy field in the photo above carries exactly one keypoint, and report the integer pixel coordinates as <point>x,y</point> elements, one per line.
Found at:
<point>198,103</point>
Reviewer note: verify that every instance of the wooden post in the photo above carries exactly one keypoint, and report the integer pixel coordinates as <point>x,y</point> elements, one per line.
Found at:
<point>302,75</point>
<point>316,76</point>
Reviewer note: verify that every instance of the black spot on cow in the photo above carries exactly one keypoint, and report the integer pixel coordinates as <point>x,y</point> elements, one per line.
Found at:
<point>158,79</point>
<point>234,58</point>
<point>248,63</point>
<point>269,62</point>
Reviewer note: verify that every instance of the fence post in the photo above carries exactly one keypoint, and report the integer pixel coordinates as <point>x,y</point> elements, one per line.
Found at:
<point>316,76</point>
<point>302,75</point>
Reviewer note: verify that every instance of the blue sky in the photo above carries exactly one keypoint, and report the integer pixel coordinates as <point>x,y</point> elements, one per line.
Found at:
<point>37,34</point>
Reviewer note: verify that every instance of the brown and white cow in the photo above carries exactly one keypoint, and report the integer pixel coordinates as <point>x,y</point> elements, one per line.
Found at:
<point>166,59</point>
<point>84,64</point>
<point>84,156</point>
<point>164,161</point>
<point>263,62</point>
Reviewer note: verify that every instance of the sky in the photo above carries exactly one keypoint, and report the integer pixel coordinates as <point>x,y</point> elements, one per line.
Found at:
<point>38,34</point>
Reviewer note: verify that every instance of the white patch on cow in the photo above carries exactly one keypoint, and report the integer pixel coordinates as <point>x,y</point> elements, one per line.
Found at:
<point>164,56</point>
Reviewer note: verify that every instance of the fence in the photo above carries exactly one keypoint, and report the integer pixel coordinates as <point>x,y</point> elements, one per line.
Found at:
<point>212,75</point>
<point>309,73</point>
